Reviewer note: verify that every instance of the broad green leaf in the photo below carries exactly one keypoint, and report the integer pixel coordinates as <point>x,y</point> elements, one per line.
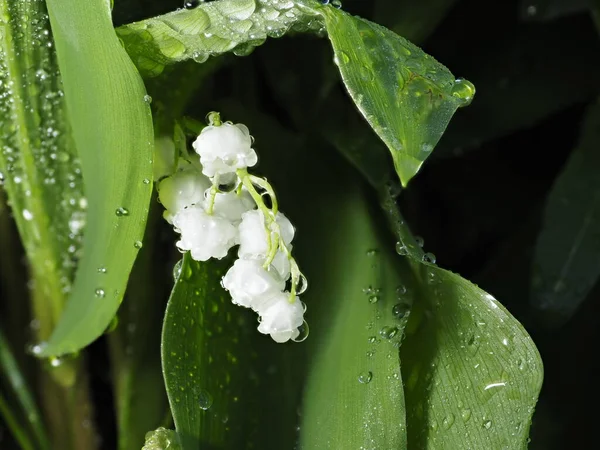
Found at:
<point>472,372</point>
<point>211,29</point>
<point>205,358</point>
<point>565,262</point>
<point>354,396</point>
<point>11,372</point>
<point>112,129</point>
<point>405,95</point>
<point>39,167</point>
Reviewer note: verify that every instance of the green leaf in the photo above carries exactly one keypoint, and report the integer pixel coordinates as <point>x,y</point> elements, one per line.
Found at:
<point>405,95</point>
<point>472,373</point>
<point>39,167</point>
<point>211,29</point>
<point>27,407</point>
<point>566,253</point>
<point>112,129</point>
<point>354,396</point>
<point>205,357</point>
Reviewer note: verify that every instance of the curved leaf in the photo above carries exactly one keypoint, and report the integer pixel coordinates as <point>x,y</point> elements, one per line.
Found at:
<point>472,372</point>
<point>211,29</point>
<point>354,395</point>
<point>566,265</point>
<point>39,167</point>
<point>405,95</point>
<point>113,132</point>
<point>205,358</point>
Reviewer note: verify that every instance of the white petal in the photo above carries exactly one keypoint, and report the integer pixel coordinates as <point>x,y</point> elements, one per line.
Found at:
<point>250,285</point>
<point>203,235</point>
<point>279,315</point>
<point>180,190</point>
<point>231,206</point>
<point>224,149</point>
<point>253,234</point>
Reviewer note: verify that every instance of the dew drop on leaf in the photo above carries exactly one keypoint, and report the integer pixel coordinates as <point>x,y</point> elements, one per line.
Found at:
<point>99,292</point>
<point>205,400</point>
<point>365,377</point>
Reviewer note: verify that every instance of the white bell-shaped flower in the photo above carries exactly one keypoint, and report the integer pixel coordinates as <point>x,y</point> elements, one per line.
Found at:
<point>253,239</point>
<point>205,236</point>
<point>250,285</point>
<point>280,318</point>
<point>231,206</point>
<point>180,190</point>
<point>224,149</point>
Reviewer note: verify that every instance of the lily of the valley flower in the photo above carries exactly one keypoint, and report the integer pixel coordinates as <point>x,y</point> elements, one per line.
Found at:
<point>211,221</point>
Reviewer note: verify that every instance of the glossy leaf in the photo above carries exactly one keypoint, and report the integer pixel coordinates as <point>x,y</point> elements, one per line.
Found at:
<point>354,396</point>
<point>205,358</point>
<point>566,254</point>
<point>211,29</point>
<point>113,132</point>
<point>472,373</point>
<point>405,95</point>
<point>39,167</point>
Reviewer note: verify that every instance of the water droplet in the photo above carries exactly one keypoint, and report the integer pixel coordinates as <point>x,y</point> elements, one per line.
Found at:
<point>448,421</point>
<point>487,424</point>
<point>101,269</point>
<point>373,299</point>
<point>147,99</point>
<point>55,361</point>
<point>365,377</point>
<point>400,310</point>
<point>429,258</point>
<point>205,400</point>
<point>304,331</point>
<point>388,332</point>
<point>191,4</point>
<point>420,241</point>
<point>302,285</point>
<point>177,269</point>
<point>200,57</point>
<point>120,212</point>
<point>373,339</point>
<point>137,244</point>
<point>464,91</point>
<point>146,181</point>
<point>372,252</point>
<point>401,290</point>
<point>100,293</point>
<point>401,249</point>
<point>465,414</point>
<point>336,3</point>
<point>27,215</point>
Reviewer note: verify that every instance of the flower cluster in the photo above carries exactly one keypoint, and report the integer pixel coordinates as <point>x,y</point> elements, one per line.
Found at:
<point>215,204</point>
